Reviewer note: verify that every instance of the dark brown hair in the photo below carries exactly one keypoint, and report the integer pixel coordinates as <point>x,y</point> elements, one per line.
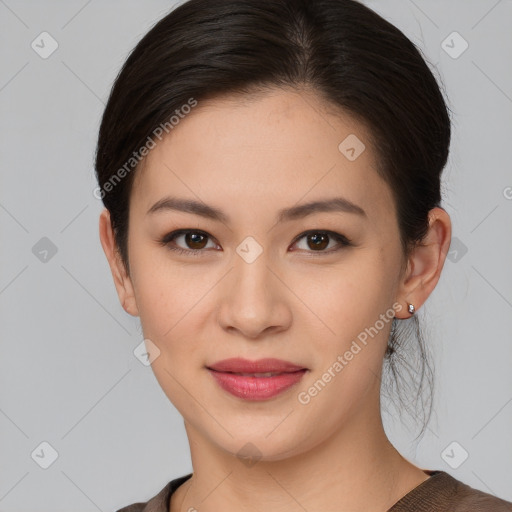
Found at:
<point>350,56</point>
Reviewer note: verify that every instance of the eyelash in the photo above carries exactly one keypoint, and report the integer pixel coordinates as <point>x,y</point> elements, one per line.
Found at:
<point>170,237</point>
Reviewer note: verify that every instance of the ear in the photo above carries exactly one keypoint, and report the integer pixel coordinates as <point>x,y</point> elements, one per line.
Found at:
<point>122,280</point>
<point>426,262</point>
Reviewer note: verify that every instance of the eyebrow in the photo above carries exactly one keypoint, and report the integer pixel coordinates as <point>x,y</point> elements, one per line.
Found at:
<point>335,204</point>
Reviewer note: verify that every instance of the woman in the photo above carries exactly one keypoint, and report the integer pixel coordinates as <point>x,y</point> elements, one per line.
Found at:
<point>271,176</point>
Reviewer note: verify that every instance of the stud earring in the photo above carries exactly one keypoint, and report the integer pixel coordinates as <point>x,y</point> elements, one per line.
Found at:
<point>411,308</point>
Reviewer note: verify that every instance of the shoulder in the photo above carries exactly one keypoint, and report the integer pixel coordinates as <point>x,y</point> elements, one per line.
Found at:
<point>468,499</point>
<point>159,502</point>
<point>134,507</point>
<point>444,493</point>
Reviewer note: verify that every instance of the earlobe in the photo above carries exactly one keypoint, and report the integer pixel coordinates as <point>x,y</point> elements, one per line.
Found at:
<point>122,280</point>
<point>426,262</point>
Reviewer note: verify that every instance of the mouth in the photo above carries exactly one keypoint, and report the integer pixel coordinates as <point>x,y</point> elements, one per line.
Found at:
<point>257,375</point>
<point>256,385</point>
<point>267,367</point>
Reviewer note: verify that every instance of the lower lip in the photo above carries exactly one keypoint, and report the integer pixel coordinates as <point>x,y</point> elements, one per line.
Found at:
<point>256,388</point>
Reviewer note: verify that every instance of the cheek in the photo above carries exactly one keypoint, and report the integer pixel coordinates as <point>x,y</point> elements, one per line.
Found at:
<point>347,298</point>
<point>174,303</point>
<point>354,304</point>
<point>171,312</point>
<point>165,292</point>
<point>348,338</point>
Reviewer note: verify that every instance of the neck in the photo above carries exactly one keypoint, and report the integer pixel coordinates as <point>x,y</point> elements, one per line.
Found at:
<point>355,469</point>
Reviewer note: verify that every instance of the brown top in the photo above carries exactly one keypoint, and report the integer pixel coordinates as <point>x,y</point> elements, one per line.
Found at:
<point>439,493</point>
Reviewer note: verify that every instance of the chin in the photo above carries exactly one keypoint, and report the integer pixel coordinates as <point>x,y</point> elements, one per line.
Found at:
<point>251,449</point>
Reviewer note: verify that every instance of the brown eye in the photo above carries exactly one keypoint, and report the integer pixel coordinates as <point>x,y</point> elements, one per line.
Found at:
<point>318,241</point>
<point>193,241</point>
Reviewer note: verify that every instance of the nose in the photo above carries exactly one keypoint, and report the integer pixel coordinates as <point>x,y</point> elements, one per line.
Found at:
<point>253,299</point>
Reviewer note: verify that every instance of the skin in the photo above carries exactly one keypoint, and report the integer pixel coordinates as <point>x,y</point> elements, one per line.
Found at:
<point>294,302</point>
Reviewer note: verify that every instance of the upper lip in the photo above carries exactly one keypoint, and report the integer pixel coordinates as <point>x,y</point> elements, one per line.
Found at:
<point>239,365</point>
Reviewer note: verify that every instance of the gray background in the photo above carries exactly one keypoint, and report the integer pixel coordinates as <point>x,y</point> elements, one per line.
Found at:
<point>68,375</point>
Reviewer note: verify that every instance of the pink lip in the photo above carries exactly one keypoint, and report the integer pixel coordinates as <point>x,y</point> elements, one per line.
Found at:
<point>240,365</point>
<point>256,388</point>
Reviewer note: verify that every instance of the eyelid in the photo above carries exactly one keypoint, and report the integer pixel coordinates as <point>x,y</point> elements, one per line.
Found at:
<point>170,237</point>
<point>342,240</point>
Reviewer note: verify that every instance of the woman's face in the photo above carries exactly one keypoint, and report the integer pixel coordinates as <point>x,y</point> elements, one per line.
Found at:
<point>253,284</point>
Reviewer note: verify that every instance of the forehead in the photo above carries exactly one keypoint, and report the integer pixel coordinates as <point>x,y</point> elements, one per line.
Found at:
<point>266,149</point>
